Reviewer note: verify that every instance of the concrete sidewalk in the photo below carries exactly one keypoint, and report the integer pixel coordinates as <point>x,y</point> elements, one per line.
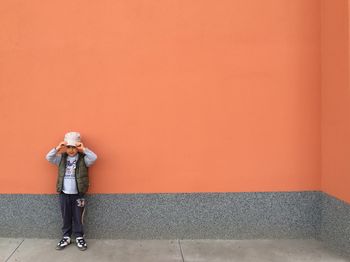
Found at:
<point>12,250</point>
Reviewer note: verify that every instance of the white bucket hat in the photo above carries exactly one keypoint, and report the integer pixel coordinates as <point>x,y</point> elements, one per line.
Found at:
<point>72,138</point>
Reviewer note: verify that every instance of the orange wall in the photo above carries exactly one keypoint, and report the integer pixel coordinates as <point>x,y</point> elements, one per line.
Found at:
<point>335,99</point>
<point>173,96</point>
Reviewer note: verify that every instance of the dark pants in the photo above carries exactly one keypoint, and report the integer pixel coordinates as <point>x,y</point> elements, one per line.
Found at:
<point>72,208</point>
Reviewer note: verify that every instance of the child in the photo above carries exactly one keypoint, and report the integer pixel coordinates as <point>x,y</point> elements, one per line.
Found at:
<point>73,160</point>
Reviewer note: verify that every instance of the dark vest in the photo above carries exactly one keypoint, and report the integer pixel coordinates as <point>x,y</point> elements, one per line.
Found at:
<point>81,174</point>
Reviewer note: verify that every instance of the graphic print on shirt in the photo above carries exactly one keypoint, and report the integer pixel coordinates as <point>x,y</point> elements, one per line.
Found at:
<point>70,169</point>
<point>69,181</point>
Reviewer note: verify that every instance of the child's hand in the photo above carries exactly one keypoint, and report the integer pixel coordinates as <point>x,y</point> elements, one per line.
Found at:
<point>60,146</point>
<point>80,146</point>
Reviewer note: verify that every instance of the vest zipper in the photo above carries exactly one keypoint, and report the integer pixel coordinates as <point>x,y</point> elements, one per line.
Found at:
<point>75,172</point>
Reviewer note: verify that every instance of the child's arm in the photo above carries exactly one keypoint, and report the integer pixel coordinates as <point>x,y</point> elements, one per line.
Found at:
<point>53,157</point>
<point>90,157</point>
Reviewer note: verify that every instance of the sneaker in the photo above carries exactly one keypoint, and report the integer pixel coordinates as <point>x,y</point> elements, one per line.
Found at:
<point>81,244</point>
<point>65,241</point>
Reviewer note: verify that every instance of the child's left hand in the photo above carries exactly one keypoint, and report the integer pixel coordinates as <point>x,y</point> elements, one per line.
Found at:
<point>80,147</point>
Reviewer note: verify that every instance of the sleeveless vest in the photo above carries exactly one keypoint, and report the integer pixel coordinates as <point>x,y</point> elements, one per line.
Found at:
<point>81,174</point>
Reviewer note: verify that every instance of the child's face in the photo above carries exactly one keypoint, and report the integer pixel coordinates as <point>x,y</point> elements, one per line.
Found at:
<point>71,150</point>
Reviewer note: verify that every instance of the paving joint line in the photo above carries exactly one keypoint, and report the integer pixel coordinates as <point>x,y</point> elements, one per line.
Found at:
<point>14,251</point>
<point>182,255</point>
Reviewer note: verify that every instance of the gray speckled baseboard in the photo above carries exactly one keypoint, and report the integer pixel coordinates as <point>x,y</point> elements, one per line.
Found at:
<point>29,215</point>
<point>211,215</point>
<point>171,216</point>
<point>335,224</point>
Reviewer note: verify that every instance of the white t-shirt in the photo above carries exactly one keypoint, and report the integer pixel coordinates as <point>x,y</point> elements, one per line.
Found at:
<point>69,183</point>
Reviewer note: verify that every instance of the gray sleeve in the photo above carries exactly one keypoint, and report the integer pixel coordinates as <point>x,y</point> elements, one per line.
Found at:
<point>90,157</point>
<point>53,158</point>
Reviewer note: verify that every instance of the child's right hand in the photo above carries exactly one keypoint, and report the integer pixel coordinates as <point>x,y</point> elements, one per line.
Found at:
<point>60,146</point>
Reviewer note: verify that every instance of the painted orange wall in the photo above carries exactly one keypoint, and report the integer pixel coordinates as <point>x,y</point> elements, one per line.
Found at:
<point>173,96</point>
<point>335,99</point>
